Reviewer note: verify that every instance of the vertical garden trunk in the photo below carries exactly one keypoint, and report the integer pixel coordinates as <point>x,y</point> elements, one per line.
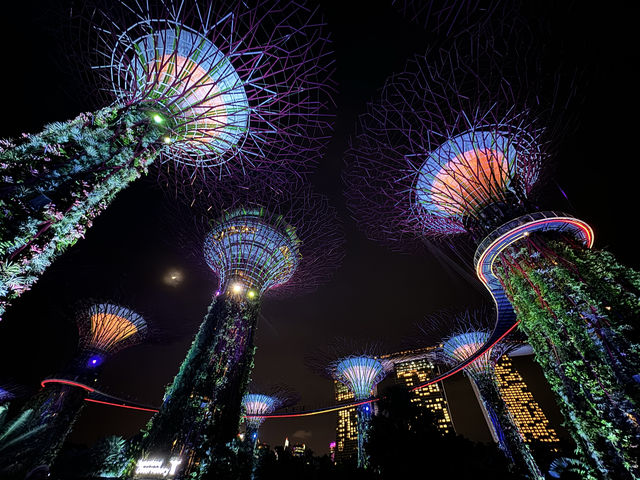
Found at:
<point>579,309</point>
<point>509,439</point>
<point>202,407</point>
<point>53,184</point>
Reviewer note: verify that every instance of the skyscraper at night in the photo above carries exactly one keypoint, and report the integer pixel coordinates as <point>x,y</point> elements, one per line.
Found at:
<point>409,368</point>
<point>414,367</point>
<point>532,423</point>
<point>347,426</point>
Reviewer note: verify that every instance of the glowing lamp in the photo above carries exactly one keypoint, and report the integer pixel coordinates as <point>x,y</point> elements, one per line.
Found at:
<point>95,361</point>
<point>158,118</point>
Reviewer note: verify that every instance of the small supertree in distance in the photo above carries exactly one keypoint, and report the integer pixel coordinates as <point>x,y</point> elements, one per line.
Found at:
<point>461,336</point>
<point>104,329</point>
<point>360,371</point>
<point>255,406</point>
<point>202,89</point>
<point>266,243</point>
<point>454,150</point>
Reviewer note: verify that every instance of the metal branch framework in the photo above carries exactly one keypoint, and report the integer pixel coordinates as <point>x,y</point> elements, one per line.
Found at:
<point>451,17</point>
<point>269,240</point>
<point>360,374</point>
<point>257,404</point>
<point>107,328</point>
<point>243,87</point>
<point>451,146</point>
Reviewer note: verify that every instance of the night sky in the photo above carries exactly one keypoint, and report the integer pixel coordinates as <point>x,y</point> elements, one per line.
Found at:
<point>376,294</point>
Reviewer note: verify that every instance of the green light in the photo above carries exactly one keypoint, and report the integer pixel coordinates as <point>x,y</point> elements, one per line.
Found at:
<point>167,139</point>
<point>158,118</point>
<point>251,294</point>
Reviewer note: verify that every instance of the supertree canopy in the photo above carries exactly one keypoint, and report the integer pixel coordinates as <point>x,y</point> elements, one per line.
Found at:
<point>462,336</point>
<point>457,145</point>
<point>266,242</point>
<point>256,404</point>
<point>206,90</point>
<point>360,374</point>
<point>252,251</point>
<point>104,328</point>
<point>107,328</point>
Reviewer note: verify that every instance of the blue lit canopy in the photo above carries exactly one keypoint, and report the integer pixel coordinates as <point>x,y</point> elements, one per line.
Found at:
<point>460,347</point>
<point>251,250</point>
<point>190,78</point>
<point>360,374</point>
<point>258,404</point>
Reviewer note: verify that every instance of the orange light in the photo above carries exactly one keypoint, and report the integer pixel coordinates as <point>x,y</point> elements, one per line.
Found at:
<point>108,329</point>
<point>470,180</point>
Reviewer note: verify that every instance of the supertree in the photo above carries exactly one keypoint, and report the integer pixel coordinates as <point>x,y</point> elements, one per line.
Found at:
<point>255,405</point>
<point>201,89</point>
<point>360,373</point>
<point>266,242</point>
<point>461,336</point>
<point>454,149</point>
<point>47,418</point>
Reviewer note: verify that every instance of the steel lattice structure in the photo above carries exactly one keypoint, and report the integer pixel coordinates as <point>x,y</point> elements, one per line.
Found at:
<point>106,328</point>
<point>213,90</point>
<point>450,17</point>
<point>250,250</point>
<point>360,374</point>
<point>268,240</point>
<point>462,336</point>
<point>243,87</point>
<point>451,146</point>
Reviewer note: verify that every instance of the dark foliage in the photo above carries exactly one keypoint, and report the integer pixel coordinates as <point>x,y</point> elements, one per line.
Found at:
<point>404,442</point>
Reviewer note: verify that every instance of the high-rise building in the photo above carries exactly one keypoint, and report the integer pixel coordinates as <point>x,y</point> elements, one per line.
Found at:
<point>410,368</point>
<point>526,412</point>
<point>413,367</point>
<point>347,427</point>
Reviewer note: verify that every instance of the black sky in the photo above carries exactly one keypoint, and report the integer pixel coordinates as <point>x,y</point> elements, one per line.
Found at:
<point>376,294</point>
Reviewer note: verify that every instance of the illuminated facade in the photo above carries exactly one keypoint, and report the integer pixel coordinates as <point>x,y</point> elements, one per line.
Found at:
<point>532,423</point>
<point>360,374</point>
<point>346,447</point>
<point>408,368</point>
<point>413,368</point>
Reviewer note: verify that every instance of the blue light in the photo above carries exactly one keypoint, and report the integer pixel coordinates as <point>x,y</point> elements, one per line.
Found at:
<point>360,374</point>
<point>95,361</point>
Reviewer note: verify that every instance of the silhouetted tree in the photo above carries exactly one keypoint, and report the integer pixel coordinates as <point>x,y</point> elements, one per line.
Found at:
<point>404,442</point>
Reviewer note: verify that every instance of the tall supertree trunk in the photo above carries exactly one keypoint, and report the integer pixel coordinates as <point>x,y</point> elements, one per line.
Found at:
<point>56,182</point>
<point>202,407</point>
<point>578,309</point>
<point>51,413</point>
<point>509,439</point>
<point>364,422</point>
